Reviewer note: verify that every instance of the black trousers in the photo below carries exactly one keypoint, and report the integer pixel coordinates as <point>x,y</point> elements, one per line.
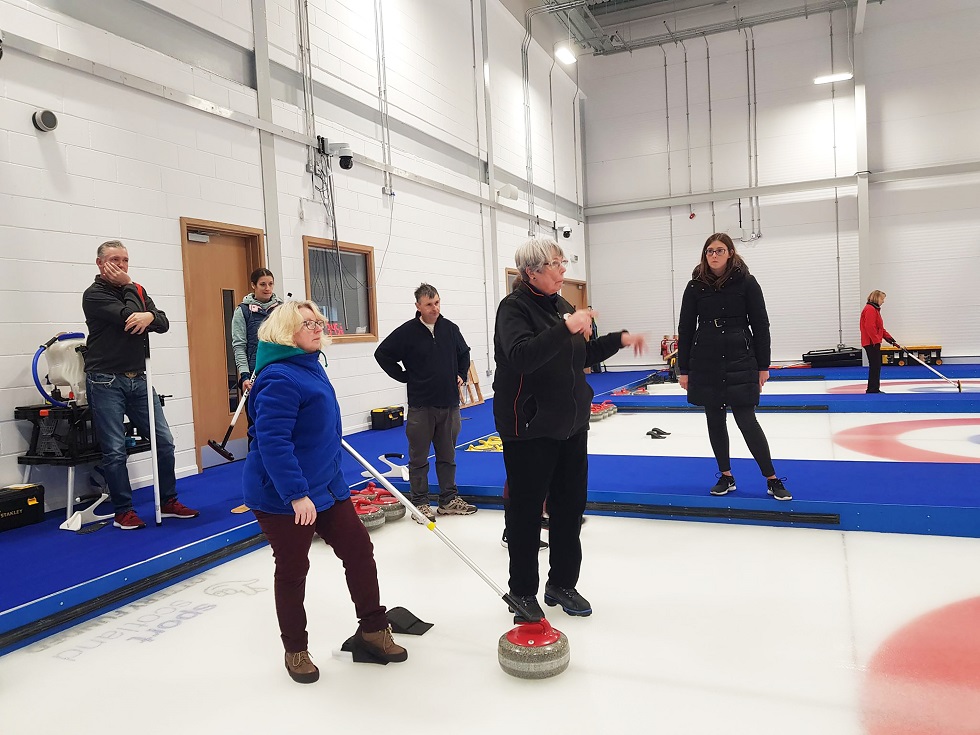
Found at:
<point>874,367</point>
<point>754,437</point>
<point>538,468</point>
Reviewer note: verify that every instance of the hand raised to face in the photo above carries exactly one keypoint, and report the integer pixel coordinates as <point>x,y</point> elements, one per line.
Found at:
<point>115,275</point>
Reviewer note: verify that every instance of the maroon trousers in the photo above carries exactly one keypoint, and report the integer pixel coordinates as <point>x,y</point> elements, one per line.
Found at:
<point>340,528</point>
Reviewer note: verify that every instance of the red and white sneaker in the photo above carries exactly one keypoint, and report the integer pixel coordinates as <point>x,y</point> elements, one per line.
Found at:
<point>128,521</point>
<point>175,509</point>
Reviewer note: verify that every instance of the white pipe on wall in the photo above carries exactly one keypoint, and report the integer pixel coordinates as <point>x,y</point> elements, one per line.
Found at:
<point>670,215</point>
<point>711,149</point>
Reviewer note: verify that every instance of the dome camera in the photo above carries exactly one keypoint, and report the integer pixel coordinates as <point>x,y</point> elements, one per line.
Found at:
<point>565,231</point>
<point>344,153</point>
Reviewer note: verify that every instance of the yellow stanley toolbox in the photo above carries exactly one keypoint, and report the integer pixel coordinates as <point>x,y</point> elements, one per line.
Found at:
<point>388,417</point>
<point>21,505</point>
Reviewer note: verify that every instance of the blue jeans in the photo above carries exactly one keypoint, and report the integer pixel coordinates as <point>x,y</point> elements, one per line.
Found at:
<point>112,397</point>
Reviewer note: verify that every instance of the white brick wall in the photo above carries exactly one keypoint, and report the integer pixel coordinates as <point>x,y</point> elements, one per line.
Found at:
<point>124,164</point>
<point>923,99</point>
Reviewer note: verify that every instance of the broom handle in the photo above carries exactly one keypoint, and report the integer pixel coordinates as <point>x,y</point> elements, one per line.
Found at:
<point>923,364</point>
<point>506,596</point>
<point>151,413</point>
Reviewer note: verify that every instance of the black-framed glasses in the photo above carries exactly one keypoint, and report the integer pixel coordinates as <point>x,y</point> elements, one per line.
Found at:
<point>312,324</point>
<point>716,251</point>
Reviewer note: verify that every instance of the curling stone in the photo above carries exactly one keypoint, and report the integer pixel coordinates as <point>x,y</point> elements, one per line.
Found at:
<point>393,510</point>
<point>371,515</point>
<point>370,492</point>
<point>533,651</point>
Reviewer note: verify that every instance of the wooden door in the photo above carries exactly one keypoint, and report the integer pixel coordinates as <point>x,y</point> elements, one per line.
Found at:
<point>575,293</point>
<point>215,279</point>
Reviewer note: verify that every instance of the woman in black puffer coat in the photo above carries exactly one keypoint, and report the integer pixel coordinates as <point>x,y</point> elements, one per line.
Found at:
<point>723,355</point>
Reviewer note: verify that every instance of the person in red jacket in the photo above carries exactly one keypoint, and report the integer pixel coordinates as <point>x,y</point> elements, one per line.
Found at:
<point>872,332</point>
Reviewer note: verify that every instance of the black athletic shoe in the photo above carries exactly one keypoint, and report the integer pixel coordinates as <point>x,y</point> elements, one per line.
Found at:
<point>778,490</point>
<point>570,600</point>
<point>725,485</point>
<point>542,545</point>
<point>658,433</point>
<point>530,604</point>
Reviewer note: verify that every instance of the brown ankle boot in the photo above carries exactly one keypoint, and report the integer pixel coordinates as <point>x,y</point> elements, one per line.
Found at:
<point>301,668</point>
<point>381,645</point>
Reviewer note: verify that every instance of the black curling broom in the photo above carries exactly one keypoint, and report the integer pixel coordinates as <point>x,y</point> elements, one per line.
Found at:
<point>220,448</point>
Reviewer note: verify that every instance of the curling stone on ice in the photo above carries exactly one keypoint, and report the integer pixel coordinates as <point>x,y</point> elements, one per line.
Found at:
<point>371,515</point>
<point>533,651</point>
<point>370,492</point>
<point>392,509</point>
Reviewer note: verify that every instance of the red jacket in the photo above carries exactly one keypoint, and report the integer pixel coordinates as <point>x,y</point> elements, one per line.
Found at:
<point>872,328</point>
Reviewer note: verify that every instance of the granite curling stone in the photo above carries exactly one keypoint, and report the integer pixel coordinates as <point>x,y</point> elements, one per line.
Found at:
<point>371,515</point>
<point>533,651</point>
<point>392,509</point>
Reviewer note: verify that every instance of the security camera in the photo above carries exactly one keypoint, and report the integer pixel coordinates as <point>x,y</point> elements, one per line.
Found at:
<point>344,153</point>
<point>565,231</point>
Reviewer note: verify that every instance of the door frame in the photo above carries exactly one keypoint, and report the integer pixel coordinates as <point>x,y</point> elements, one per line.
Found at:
<point>254,257</point>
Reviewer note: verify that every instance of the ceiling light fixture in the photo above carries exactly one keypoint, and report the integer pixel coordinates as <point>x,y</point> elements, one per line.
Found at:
<point>565,55</point>
<point>830,78</point>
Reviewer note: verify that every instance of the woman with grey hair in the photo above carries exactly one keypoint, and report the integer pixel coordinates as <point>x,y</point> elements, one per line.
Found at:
<point>542,403</point>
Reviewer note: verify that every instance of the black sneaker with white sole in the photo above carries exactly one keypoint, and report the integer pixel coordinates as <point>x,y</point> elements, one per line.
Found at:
<point>725,485</point>
<point>777,489</point>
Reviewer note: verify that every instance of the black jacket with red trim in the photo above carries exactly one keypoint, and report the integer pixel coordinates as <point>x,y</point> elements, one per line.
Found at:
<point>110,348</point>
<point>540,390</point>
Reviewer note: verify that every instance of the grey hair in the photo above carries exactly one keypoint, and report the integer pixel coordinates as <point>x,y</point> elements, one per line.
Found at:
<point>108,245</point>
<point>536,253</point>
<point>425,291</point>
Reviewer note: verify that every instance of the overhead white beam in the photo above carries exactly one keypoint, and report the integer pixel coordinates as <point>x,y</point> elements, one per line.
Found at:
<point>862,8</point>
<point>877,177</point>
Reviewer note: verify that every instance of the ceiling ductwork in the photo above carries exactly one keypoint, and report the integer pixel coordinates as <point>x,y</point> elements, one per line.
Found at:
<point>612,26</point>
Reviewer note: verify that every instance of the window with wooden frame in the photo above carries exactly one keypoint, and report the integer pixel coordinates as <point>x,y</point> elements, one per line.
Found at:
<point>340,280</point>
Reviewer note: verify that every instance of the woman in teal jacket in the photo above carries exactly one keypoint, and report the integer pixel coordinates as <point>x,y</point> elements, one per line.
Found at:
<point>294,484</point>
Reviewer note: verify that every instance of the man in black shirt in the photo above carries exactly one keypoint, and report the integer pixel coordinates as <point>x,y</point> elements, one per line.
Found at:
<point>436,362</point>
<point>119,314</point>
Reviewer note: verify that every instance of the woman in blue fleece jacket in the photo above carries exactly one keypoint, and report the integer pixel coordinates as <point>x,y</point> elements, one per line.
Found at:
<point>294,484</point>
